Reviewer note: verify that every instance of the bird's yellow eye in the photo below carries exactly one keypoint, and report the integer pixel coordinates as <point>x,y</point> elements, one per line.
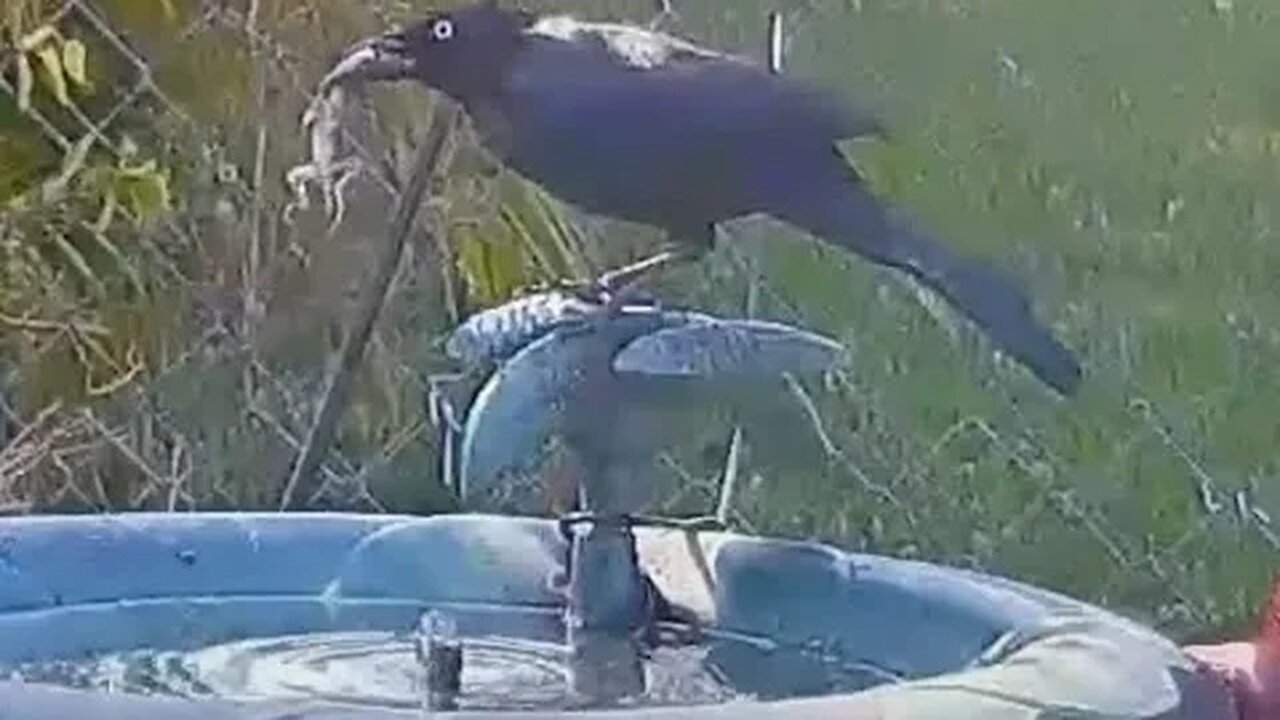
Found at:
<point>442,29</point>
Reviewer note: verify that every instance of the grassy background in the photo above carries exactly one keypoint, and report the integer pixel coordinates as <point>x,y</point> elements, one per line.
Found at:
<point>1120,157</point>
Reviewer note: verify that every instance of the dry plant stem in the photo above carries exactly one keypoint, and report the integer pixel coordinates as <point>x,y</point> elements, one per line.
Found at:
<point>729,480</point>
<point>429,156</point>
<point>273,423</point>
<point>20,456</point>
<point>253,254</point>
<point>113,438</point>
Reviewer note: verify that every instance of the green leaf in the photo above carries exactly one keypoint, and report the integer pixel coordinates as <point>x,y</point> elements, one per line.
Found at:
<point>147,195</point>
<point>51,60</point>
<point>493,269</point>
<point>142,189</point>
<point>514,223</point>
<point>73,62</point>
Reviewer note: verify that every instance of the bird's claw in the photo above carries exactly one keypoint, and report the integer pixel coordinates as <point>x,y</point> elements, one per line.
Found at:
<point>621,286</point>
<point>610,296</point>
<point>607,292</point>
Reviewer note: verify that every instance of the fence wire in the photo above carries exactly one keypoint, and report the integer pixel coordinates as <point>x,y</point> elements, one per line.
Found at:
<point>870,488</point>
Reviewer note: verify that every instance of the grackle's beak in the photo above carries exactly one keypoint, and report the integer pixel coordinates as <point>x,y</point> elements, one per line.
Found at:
<point>383,58</point>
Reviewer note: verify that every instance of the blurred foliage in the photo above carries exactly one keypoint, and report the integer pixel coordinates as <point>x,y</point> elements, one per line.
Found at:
<point>165,321</point>
<point>529,240</point>
<point>1121,158</point>
<point>153,275</point>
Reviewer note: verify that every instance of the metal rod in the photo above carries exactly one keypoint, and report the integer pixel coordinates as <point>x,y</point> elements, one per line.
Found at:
<point>776,42</point>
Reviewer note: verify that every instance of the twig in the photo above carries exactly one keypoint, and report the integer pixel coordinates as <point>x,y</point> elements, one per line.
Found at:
<point>129,454</point>
<point>274,424</point>
<point>835,454</point>
<point>29,429</point>
<point>429,156</point>
<point>1207,489</point>
<point>253,253</point>
<point>729,484</point>
<point>733,459</point>
<point>50,326</point>
<point>22,453</point>
<point>688,482</point>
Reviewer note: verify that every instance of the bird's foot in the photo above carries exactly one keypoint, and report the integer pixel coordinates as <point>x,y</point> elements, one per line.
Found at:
<point>607,295</point>
<point>621,286</point>
<point>599,294</point>
<point>625,279</point>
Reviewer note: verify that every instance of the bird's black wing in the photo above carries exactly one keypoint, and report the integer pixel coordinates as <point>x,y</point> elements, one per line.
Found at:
<point>724,92</point>
<point>642,126</point>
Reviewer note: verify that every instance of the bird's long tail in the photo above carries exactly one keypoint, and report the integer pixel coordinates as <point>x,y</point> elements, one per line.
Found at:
<point>843,212</point>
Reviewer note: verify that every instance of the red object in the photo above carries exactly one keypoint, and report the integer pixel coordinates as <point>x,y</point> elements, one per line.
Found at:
<point>1267,663</point>
<point>1269,628</point>
<point>1250,668</point>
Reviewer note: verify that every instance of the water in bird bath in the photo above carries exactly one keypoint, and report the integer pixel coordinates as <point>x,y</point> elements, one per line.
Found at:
<point>382,669</point>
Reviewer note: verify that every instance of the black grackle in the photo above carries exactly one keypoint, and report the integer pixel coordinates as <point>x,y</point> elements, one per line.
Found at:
<point>641,126</point>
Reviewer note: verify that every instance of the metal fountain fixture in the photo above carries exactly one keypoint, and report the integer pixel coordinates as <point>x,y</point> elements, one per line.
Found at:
<point>582,367</point>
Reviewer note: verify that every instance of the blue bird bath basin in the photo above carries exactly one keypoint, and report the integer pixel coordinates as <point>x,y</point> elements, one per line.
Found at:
<point>235,616</point>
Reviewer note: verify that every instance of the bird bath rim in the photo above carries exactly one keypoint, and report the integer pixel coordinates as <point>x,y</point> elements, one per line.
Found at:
<point>71,585</point>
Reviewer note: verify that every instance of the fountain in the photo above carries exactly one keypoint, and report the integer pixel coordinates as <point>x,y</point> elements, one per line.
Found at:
<point>602,613</point>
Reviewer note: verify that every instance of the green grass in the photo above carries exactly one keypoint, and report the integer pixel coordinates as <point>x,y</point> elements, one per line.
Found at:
<point>1122,159</point>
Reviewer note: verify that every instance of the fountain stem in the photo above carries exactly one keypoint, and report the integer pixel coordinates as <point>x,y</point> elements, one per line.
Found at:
<point>609,612</point>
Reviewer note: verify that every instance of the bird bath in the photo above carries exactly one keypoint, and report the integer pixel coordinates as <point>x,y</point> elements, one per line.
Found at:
<point>227,616</point>
<point>602,613</point>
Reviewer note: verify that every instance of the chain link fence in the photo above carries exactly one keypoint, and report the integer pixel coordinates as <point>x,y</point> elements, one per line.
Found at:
<point>214,414</point>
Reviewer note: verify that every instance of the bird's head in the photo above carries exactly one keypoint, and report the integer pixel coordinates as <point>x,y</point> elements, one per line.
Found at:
<point>463,53</point>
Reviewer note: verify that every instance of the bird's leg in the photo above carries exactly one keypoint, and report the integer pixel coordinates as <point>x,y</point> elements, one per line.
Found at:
<point>609,292</point>
<point>615,288</point>
<point>618,286</point>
